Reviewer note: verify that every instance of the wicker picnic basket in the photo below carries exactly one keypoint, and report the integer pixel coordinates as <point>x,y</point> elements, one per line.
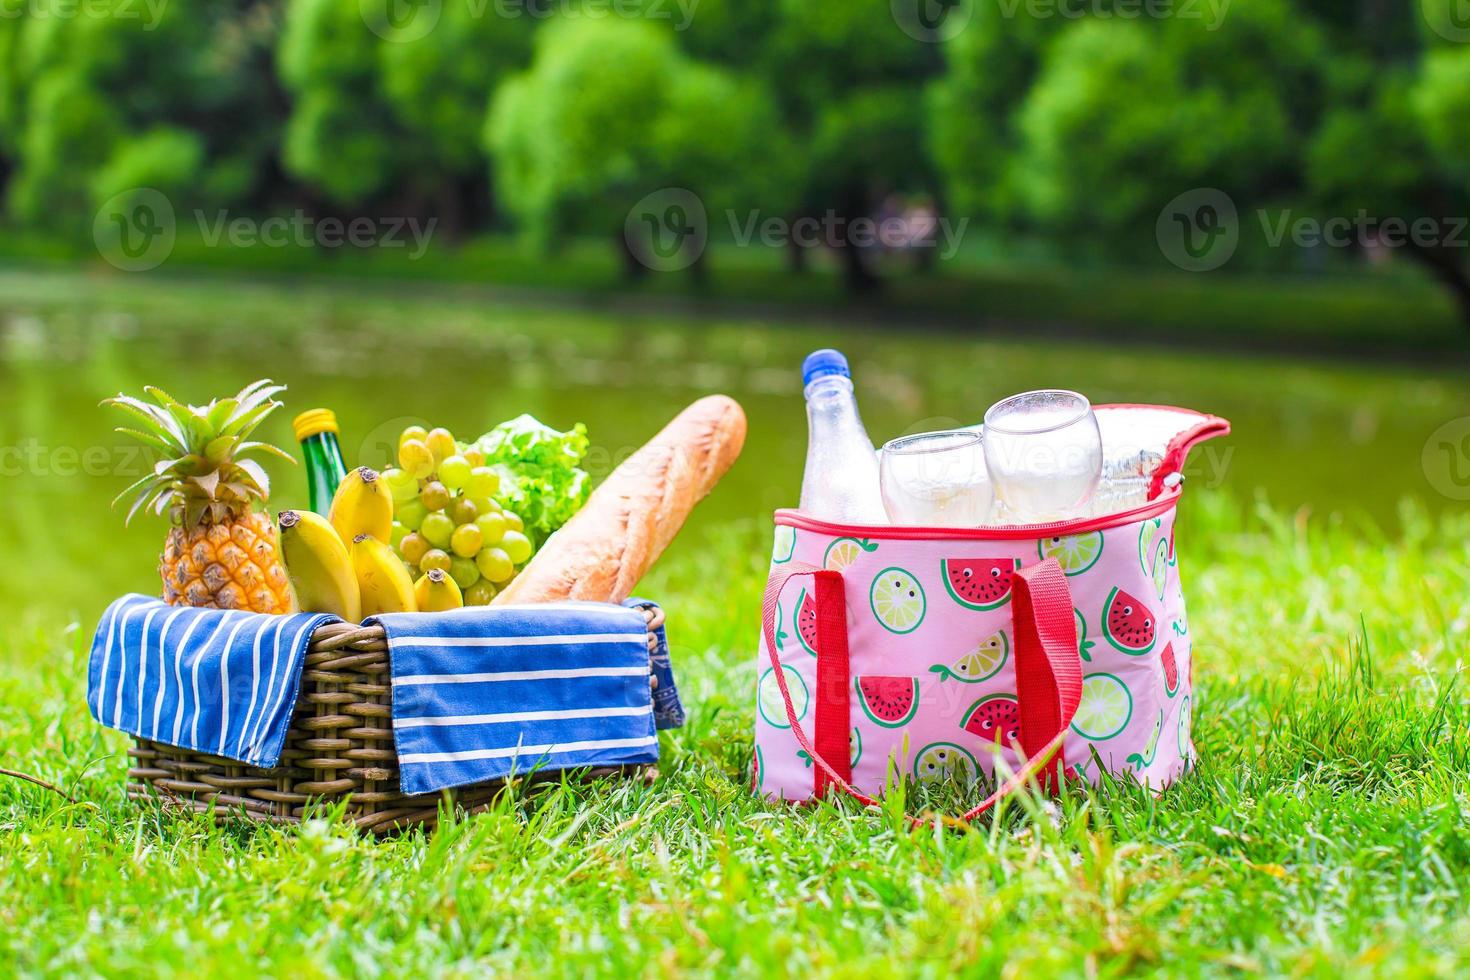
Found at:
<point>339,746</point>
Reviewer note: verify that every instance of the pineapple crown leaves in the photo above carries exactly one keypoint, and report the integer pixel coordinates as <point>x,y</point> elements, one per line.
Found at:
<point>203,472</point>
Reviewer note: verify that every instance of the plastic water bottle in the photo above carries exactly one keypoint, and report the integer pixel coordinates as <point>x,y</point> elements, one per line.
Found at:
<point>841,479</point>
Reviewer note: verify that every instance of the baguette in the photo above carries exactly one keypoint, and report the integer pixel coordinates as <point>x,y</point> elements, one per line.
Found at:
<point>606,548</point>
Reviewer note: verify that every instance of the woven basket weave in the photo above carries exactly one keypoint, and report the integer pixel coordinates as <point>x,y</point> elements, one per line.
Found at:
<point>339,745</point>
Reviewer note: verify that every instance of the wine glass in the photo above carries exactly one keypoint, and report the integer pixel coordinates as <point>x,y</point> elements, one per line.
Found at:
<point>1044,453</point>
<point>937,479</point>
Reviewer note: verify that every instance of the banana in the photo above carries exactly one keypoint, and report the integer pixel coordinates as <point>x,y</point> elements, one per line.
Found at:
<point>381,577</point>
<point>437,592</point>
<point>319,565</point>
<point>362,505</point>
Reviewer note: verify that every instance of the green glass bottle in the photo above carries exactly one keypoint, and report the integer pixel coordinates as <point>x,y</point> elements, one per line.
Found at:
<point>316,430</point>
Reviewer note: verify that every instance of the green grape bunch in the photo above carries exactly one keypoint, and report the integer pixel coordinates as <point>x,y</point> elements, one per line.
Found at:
<point>445,515</point>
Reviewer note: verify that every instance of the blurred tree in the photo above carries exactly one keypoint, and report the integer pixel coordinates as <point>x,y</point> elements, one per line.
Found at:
<point>851,84</point>
<point>342,136</point>
<point>1127,114</point>
<point>1395,146</point>
<point>972,126</point>
<point>438,87</point>
<point>610,111</point>
<point>176,98</point>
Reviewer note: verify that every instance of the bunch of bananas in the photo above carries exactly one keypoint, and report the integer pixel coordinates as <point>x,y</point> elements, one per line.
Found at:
<point>343,563</point>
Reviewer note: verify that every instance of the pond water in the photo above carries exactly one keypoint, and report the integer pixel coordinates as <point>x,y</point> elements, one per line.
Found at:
<point>1313,434</point>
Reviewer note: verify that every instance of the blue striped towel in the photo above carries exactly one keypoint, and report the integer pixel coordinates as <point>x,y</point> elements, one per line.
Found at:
<point>668,711</point>
<point>212,680</point>
<point>484,693</point>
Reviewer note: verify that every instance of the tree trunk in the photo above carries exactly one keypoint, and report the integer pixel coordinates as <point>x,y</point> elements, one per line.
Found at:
<point>633,268</point>
<point>856,276</point>
<point>699,267</point>
<point>450,205</point>
<point>1446,265</point>
<point>796,262</point>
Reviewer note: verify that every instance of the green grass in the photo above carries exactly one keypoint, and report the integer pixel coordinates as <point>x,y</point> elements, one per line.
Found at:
<point>1351,309</point>
<point>1324,832</point>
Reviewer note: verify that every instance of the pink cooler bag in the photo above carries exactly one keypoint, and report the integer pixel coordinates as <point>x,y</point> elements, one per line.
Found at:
<point>924,653</point>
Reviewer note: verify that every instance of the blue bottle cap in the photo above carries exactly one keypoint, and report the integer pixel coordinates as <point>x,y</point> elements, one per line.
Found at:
<point>821,363</point>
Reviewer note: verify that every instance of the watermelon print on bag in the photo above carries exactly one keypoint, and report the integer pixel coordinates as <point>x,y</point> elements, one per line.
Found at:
<point>930,686</point>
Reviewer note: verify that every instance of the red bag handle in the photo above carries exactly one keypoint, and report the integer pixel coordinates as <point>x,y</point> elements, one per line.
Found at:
<point>1048,674</point>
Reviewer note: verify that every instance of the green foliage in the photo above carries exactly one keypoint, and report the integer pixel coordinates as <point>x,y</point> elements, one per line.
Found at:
<point>1370,155</point>
<point>341,136</point>
<point>1441,101</point>
<point>438,86</point>
<point>972,126</point>
<point>1125,114</point>
<point>611,110</point>
<point>96,101</point>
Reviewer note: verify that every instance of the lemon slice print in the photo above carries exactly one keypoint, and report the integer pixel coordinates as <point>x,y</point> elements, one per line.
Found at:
<point>843,552</point>
<point>1161,568</point>
<point>785,545</point>
<point>980,664</point>
<point>897,600</point>
<point>942,761</point>
<point>1146,542</point>
<point>1105,708</point>
<point>772,707</point>
<point>1076,553</point>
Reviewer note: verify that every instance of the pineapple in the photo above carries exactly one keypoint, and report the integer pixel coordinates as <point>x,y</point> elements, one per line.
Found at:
<point>221,553</point>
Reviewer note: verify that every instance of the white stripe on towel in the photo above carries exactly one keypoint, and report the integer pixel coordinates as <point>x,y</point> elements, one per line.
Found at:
<point>162,673</point>
<point>436,642</point>
<point>224,686</point>
<point>527,751</point>
<point>521,675</point>
<point>510,717</point>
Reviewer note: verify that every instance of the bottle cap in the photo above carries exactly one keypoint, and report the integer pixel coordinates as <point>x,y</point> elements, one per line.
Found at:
<point>820,363</point>
<point>314,423</point>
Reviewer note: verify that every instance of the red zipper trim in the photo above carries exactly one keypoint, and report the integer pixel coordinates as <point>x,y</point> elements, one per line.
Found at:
<point>1014,532</point>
